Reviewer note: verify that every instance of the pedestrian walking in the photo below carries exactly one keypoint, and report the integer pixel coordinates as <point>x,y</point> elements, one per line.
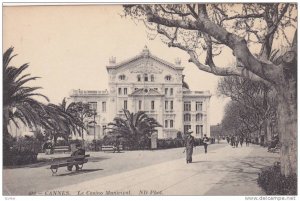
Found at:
<point>205,143</point>
<point>228,139</point>
<point>247,141</point>
<point>237,140</point>
<point>117,145</point>
<point>232,141</point>
<point>189,145</point>
<point>241,141</point>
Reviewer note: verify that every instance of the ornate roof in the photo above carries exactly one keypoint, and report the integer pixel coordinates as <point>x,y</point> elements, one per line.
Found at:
<point>144,54</point>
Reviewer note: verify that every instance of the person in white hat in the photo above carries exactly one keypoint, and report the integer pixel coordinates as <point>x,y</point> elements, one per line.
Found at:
<point>189,145</point>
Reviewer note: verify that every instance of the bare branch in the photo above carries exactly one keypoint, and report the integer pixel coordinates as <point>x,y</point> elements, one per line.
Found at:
<point>253,15</point>
<point>275,25</point>
<point>181,14</point>
<point>192,9</point>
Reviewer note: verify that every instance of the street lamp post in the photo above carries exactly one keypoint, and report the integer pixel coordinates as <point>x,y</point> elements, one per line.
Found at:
<point>94,113</point>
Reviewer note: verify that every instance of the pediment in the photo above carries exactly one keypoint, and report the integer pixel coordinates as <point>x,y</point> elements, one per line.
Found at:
<point>144,63</point>
<point>146,67</point>
<point>146,92</point>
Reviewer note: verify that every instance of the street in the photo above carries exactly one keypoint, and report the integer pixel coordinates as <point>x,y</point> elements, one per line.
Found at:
<point>223,171</point>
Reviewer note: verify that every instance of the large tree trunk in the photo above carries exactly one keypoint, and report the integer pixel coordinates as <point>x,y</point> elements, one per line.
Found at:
<point>287,115</point>
<point>287,124</point>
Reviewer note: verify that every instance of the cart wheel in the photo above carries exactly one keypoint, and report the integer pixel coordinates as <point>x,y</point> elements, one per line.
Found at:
<point>54,171</point>
<point>80,166</point>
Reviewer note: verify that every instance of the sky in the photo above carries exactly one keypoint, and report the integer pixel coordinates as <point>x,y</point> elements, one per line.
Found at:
<point>70,46</point>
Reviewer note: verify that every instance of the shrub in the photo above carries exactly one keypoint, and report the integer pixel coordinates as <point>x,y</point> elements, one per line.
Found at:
<point>169,143</point>
<point>66,143</point>
<point>22,151</point>
<point>90,145</point>
<point>274,183</point>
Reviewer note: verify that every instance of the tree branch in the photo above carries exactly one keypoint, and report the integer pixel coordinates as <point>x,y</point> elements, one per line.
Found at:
<point>181,14</point>
<point>252,15</point>
<point>195,15</point>
<point>239,46</point>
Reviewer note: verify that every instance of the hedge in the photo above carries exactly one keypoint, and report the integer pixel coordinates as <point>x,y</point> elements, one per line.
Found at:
<point>274,183</point>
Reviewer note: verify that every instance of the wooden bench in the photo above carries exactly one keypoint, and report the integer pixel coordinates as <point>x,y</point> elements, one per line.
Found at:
<point>111,148</point>
<point>66,161</point>
<point>276,149</point>
<point>61,149</point>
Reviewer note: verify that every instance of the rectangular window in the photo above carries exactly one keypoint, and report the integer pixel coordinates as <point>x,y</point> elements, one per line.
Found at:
<point>187,106</point>
<point>166,123</point>
<point>201,130</point>
<point>187,117</point>
<point>199,117</point>
<point>103,106</point>
<point>198,106</point>
<point>166,91</point>
<point>171,105</point>
<point>166,105</point>
<point>125,91</point>
<point>171,123</point>
<point>171,91</point>
<point>197,129</point>
<point>93,106</point>
<point>125,104</point>
<point>104,129</point>
<point>140,105</point>
<point>120,91</point>
<point>152,105</point>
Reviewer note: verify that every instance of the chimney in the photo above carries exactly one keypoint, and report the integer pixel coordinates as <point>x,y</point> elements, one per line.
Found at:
<point>112,60</point>
<point>178,61</point>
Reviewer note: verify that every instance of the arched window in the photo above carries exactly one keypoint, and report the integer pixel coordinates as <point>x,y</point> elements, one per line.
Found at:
<point>146,77</point>
<point>152,78</point>
<point>122,77</point>
<point>168,77</point>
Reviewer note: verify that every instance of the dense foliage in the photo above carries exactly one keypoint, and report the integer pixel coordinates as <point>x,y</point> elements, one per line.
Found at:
<point>135,128</point>
<point>274,183</point>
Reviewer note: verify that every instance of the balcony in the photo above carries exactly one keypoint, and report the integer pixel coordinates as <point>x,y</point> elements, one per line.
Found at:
<point>196,93</point>
<point>89,92</point>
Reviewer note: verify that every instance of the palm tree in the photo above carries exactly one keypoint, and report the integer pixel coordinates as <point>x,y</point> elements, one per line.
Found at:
<point>18,99</point>
<point>62,120</point>
<point>135,127</point>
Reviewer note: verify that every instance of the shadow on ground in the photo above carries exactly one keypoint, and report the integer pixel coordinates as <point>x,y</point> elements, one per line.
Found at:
<point>78,172</point>
<point>201,161</point>
<point>47,162</point>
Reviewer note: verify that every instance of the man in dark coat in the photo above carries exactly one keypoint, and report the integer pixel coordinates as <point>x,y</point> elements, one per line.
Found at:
<point>205,143</point>
<point>78,152</point>
<point>189,145</point>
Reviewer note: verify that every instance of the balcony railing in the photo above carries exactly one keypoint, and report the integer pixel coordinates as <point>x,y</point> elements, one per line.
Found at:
<point>89,92</point>
<point>207,93</point>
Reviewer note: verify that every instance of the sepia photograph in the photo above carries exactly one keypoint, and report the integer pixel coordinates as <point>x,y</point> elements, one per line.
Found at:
<point>150,99</point>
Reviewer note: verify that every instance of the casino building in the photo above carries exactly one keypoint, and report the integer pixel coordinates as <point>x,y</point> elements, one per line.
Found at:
<point>148,83</point>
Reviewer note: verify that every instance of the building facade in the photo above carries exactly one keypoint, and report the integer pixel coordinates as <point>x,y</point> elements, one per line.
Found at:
<point>148,83</point>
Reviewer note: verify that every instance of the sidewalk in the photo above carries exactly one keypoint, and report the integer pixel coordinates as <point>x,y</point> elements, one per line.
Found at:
<point>225,171</point>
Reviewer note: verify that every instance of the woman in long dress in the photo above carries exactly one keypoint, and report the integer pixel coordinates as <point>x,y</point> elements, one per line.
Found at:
<point>189,145</point>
